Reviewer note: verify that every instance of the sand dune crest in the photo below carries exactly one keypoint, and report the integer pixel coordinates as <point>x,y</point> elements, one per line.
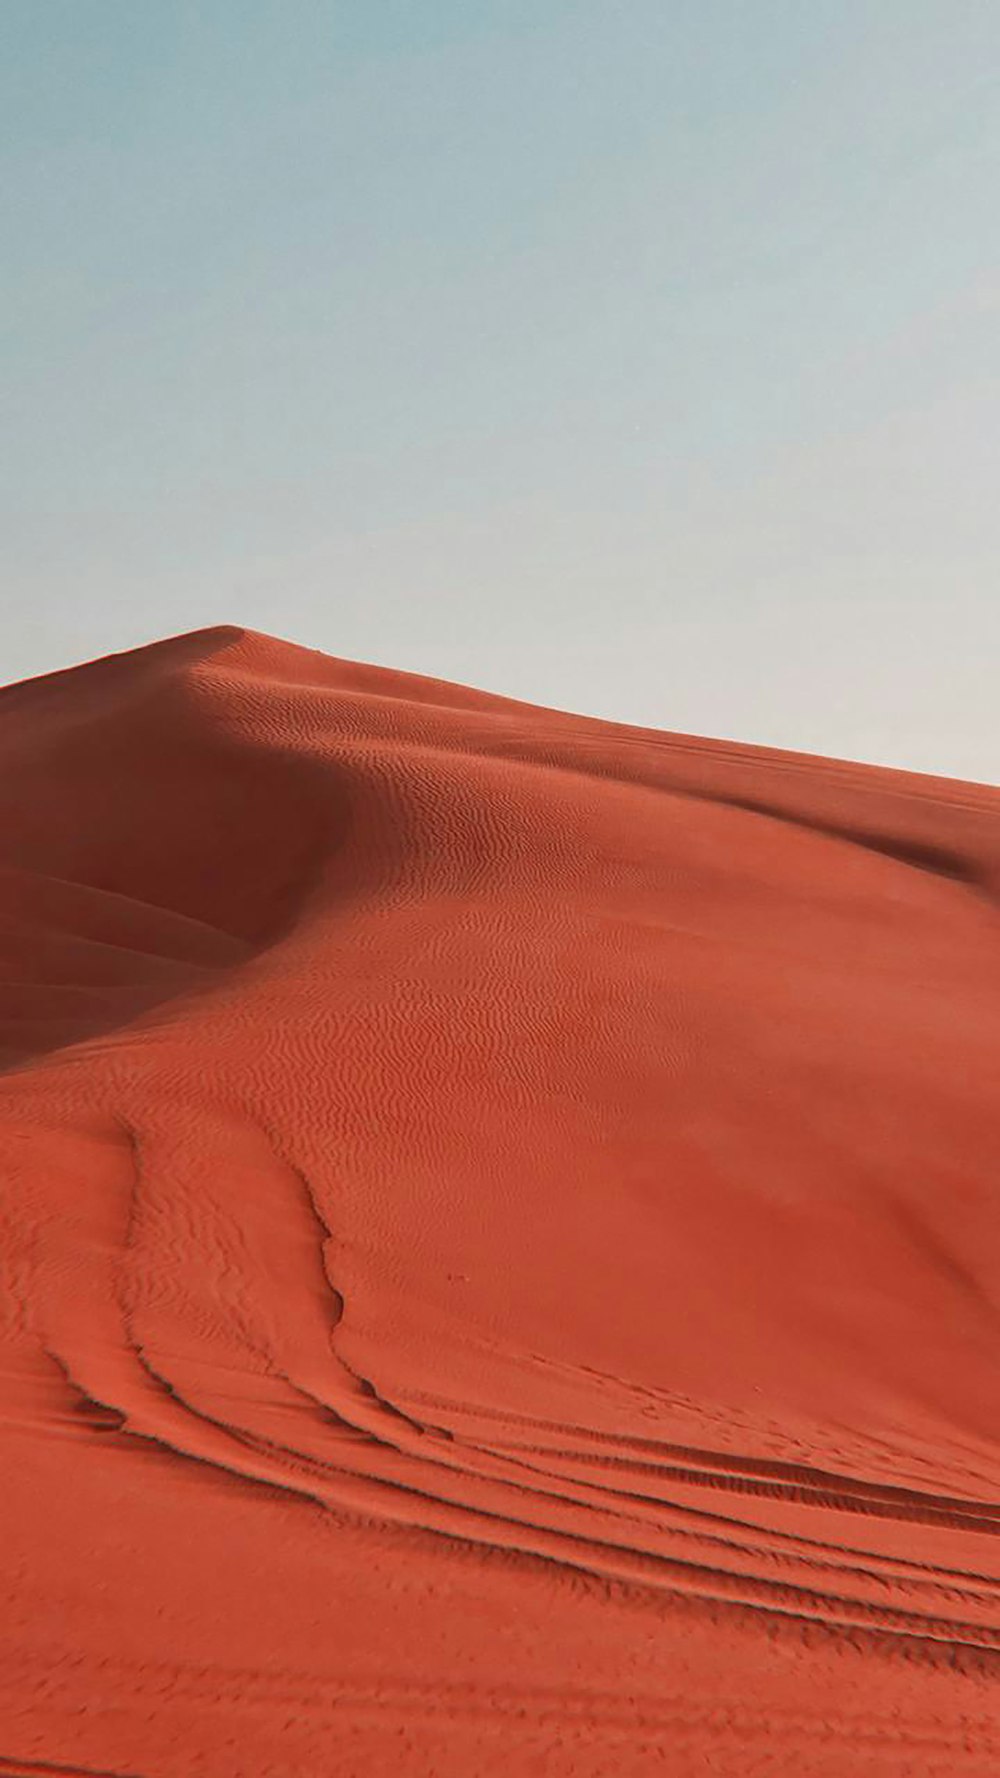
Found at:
<point>499,1239</point>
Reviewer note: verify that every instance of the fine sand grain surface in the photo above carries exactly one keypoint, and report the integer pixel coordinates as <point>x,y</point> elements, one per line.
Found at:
<point>499,1239</point>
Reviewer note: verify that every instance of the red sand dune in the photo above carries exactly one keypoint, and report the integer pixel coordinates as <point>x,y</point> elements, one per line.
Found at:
<point>499,1242</point>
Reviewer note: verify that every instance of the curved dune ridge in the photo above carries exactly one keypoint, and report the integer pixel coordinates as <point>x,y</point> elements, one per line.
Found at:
<point>499,1238</point>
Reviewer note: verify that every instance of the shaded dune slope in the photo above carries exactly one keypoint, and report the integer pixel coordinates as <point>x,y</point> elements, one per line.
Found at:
<point>500,1241</point>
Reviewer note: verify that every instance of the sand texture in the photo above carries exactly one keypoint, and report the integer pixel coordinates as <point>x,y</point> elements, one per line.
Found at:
<point>499,1239</point>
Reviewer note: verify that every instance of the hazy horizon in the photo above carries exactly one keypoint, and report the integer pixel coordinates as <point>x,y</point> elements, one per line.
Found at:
<point>641,362</point>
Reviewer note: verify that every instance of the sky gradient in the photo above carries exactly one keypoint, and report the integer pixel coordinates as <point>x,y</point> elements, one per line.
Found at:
<point>639,358</point>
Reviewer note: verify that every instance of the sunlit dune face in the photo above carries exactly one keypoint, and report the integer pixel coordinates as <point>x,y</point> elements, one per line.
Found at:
<point>462,1155</point>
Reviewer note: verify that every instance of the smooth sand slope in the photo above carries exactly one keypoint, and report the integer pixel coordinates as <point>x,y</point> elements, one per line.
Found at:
<point>499,1239</point>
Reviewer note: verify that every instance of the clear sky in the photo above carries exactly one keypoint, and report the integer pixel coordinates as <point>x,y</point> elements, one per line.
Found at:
<point>640,357</point>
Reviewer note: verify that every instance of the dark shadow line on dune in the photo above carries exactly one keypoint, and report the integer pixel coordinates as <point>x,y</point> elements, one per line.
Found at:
<point>32,1768</point>
<point>920,855</point>
<point>734,1468</point>
<point>947,862</point>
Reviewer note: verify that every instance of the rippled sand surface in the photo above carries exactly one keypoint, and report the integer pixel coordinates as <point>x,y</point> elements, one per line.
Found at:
<point>500,1239</point>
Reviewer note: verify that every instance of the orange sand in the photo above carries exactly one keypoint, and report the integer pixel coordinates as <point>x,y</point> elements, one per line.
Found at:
<point>500,1239</point>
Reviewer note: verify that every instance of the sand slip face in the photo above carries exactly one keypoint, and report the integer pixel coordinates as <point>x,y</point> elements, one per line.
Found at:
<point>500,1239</point>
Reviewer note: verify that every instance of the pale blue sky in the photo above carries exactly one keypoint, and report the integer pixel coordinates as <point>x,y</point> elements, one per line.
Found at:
<point>640,357</point>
